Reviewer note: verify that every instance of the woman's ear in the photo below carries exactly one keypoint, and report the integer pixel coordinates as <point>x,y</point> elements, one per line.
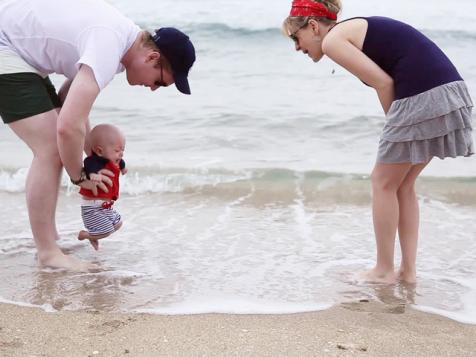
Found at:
<point>314,26</point>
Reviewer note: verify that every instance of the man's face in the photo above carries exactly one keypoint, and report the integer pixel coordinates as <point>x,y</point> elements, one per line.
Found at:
<point>147,70</point>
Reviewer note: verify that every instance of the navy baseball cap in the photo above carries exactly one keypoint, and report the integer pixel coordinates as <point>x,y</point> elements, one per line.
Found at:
<point>179,51</point>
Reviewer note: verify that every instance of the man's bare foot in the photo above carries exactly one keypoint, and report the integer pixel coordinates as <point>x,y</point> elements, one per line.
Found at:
<point>376,276</point>
<point>408,277</point>
<point>62,261</point>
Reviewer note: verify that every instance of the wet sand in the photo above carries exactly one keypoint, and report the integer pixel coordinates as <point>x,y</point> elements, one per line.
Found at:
<point>354,329</point>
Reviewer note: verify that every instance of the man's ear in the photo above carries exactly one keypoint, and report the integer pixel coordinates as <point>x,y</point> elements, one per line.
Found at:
<point>153,56</point>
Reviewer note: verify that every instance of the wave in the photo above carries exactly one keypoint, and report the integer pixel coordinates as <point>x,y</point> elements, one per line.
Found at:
<point>455,35</point>
<point>223,30</point>
<point>268,182</point>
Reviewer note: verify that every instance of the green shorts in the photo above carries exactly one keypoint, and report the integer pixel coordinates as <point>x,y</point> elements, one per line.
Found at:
<point>25,94</point>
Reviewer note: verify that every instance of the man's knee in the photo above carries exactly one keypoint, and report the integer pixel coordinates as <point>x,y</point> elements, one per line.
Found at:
<point>48,155</point>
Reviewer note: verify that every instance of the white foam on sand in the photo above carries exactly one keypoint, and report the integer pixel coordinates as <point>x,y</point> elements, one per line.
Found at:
<point>466,316</point>
<point>44,307</point>
<point>467,310</point>
<point>229,304</point>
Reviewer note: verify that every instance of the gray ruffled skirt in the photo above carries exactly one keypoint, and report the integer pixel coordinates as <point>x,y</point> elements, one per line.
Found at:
<point>433,123</point>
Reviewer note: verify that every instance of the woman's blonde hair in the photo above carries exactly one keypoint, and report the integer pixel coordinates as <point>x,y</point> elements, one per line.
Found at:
<point>293,23</point>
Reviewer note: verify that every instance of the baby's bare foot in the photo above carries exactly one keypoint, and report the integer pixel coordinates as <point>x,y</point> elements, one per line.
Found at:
<point>93,240</point>
<point>82,235</point>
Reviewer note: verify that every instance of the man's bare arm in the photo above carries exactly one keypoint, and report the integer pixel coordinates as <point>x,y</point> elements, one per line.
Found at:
<point>73,122</point>
<point>63,92</point>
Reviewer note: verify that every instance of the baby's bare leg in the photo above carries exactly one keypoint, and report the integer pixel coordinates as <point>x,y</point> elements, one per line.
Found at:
<point>85,235</point>
<point>93,239</point>
<point>117,226</point>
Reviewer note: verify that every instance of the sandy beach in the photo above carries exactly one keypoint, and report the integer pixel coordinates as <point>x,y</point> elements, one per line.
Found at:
<point>361,328</point>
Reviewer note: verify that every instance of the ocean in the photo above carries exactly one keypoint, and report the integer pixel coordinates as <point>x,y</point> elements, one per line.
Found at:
<point>252,195</point>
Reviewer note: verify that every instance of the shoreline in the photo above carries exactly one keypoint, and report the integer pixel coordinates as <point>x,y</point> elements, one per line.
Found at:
<point>360,328</point>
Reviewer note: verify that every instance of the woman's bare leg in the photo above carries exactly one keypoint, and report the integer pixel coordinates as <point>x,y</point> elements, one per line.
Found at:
<point>386,179</point>
<point>42,188</point>
<point>408,224</point>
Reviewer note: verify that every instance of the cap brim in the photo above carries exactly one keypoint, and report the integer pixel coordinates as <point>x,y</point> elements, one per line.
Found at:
<point>181,82</point>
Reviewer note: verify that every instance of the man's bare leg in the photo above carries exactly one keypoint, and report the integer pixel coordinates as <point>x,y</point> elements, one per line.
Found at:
<point>42,187</point>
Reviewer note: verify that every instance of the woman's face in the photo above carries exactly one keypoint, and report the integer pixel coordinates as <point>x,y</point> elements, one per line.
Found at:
<point>308,40</point>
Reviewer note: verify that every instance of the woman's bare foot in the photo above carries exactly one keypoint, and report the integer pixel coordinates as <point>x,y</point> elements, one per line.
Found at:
<point>60,260</point>
<point>377,276</point>
<point>406,276</point>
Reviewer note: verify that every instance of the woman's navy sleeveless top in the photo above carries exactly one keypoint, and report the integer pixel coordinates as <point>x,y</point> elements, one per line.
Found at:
<point>415,63</point>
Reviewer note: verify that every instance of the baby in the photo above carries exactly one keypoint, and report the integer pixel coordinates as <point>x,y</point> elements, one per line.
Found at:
<point>100,219</point>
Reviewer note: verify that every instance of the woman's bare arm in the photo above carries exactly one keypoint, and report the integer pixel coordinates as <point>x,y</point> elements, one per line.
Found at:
<point>341,50</point>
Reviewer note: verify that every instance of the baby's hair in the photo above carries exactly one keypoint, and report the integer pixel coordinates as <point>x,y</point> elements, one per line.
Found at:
<point>293,23</point>
<point>102,134</point>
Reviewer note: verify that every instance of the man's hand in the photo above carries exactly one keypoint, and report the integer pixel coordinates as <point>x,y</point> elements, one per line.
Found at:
<point>100,180</point>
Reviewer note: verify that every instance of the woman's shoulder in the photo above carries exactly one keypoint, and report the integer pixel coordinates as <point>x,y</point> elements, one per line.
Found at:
<point>355,22</point>
<point>351,22</point>
<point>352,30</point>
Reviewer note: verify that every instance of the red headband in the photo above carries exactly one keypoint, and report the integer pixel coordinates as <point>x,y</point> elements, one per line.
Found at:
<point>311,8</point>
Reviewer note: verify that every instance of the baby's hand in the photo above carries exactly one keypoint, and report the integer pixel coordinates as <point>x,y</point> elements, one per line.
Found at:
<point>124,170</point>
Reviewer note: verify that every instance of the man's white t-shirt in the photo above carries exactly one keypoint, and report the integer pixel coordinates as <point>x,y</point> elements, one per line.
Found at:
<point>57,36</point>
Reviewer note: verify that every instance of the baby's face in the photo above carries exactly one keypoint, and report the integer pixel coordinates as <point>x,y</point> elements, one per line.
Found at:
<point>114,151</point>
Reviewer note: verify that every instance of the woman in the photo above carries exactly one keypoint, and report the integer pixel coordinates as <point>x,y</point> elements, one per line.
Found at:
<point>427,107</point>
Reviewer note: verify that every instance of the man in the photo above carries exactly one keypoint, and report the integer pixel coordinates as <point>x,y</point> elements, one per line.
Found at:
<point>87,41</point>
